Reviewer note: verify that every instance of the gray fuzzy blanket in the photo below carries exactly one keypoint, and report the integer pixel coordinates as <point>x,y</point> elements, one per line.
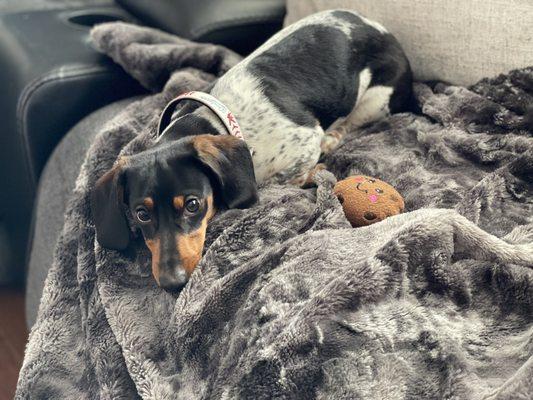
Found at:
<point>290,302</point>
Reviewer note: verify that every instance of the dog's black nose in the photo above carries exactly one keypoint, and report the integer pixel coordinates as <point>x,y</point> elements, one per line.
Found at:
<point>173,279</point>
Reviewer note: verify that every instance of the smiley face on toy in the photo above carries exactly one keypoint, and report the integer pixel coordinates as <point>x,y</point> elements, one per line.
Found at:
<point>367,200</point>
<point>372,190</point>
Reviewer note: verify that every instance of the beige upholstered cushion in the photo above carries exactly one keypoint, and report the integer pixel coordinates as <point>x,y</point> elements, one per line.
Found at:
<point>459,41</point>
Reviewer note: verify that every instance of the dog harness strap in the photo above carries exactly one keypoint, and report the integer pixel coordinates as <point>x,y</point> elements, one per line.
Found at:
<point>220,110</point>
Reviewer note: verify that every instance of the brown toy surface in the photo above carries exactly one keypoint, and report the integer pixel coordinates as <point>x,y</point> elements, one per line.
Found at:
<point>367,200</point>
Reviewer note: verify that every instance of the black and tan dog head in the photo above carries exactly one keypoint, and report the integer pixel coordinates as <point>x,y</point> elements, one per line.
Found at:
<point>172,191</point>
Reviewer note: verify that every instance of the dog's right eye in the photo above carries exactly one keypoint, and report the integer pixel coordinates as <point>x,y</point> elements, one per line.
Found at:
<point>192,205</point>
<point>143,215</point>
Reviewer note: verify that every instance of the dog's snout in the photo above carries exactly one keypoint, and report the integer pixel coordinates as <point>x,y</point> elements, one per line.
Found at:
<point>174,279</point>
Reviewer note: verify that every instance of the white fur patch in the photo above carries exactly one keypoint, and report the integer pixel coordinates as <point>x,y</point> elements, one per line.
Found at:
<point>365,77</point>
<point>373,105</point>
<point>281,147</point>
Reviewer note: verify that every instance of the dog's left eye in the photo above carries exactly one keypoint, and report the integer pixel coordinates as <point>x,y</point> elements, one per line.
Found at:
<point>192,205</point>
<point>142,215</point>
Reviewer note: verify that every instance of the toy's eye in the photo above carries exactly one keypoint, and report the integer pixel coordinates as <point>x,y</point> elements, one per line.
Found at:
<point>378,190</point>
<point>192,205</point>
<point>142,215</point>
<point>370,216</point>
<point>372,180</point>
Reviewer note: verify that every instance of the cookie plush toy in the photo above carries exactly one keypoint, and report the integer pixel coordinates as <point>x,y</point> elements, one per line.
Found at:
<point>367,200</point>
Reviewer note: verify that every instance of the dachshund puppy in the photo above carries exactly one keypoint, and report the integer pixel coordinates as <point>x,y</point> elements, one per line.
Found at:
<point>171,191</point>
<point>293,98</point>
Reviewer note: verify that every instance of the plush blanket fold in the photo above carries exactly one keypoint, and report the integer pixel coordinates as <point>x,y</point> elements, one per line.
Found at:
<point>289,301</point>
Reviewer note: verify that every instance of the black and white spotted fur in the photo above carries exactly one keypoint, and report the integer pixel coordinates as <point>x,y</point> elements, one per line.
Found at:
<point>297,93</point>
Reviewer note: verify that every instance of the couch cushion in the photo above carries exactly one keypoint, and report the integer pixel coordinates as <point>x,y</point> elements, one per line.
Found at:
<point>456,41</point>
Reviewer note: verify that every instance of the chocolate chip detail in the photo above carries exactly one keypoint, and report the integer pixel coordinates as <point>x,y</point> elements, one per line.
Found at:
<point>370,216</point>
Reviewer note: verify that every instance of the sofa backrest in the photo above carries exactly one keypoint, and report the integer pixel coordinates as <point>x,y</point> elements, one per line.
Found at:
<point>458,41</point>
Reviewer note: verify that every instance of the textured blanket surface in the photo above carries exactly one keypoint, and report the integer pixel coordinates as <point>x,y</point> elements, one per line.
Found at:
<point>289,301</point>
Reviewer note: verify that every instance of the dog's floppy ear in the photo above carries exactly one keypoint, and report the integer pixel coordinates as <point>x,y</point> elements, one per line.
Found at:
<point>110,222</point>
<point>230,161</point>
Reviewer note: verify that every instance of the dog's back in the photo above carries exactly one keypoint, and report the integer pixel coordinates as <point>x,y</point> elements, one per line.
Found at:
<point>330,71</point>
<point>324,64</point>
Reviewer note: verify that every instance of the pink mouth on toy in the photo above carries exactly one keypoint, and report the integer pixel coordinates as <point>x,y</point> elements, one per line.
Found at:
<point>373,198</point>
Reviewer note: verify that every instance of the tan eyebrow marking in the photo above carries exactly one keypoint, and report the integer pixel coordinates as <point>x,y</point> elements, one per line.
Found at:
<point>178,202</point>
<point>149,203</point>
<point>155,248</point>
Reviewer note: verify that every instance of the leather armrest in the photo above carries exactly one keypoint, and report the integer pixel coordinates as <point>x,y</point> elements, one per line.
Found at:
<point>241,25</point>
